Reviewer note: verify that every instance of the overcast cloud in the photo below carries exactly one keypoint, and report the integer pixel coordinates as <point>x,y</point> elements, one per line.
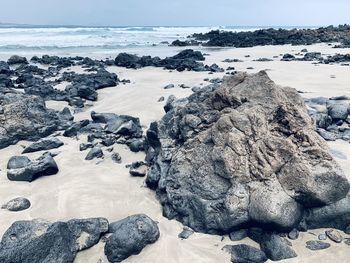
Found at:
<point>176,12</point>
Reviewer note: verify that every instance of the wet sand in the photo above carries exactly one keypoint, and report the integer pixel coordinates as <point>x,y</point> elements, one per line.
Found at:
<point>84,189</point>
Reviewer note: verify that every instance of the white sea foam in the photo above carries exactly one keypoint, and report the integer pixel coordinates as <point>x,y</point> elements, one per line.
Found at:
<point>99,37</point>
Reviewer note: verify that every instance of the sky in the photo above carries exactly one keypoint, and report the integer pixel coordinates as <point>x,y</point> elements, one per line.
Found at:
<point>176,12</point>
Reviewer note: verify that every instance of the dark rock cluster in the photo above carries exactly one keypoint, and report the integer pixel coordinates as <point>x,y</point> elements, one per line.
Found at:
<point>268,37</point>
<point>332,116</point>
<point>186,60</point>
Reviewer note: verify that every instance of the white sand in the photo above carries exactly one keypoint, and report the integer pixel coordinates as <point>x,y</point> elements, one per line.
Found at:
<point>83,189</point>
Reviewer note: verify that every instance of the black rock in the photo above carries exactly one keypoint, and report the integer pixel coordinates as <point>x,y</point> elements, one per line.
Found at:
<point>43,144</point>
<point>317,245</point>
<point>238,234</point>
<point>42,241</point>
<point>138,169</point>
<point>334,235</point>
<point>17,204</point>
<point>116,158</point>
<point>294,234</point>
<point>276,247</point>
<point>85,146</point>
<point>19,169</point>
<point>130,236</point>
<point>185,233</point>
<point>190,54</point>
<point>245,254</point>
<point>17,60</point>
<point>95,152</point>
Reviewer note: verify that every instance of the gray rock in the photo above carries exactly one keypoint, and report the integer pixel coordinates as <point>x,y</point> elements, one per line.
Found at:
<point>29,171</point>
<point>347,230</point>
<point>130,236</point>
<point>322,236</point>
<point>317,245</point>
<point>95,152</point>
<point>116,158</point>
<point>347,241</point>
<point>245,254</point>
<point>85,146</point>
<point>16,162</point>
<point>42,241</point>
<point>138,169</point>
<point>186,233</point>
<point>161,99</point>
<point>276,247</point>
<point>339,111</point>
<point>87,232</point>
<point>17,204</point>
<point>17,60</point>
<point>43,144</point>
<point>334,235</point>
<point>294,234</point>
<point>170,86</point>
<point>25,118</point>
<point>238,234</point>
<point>239,154</point>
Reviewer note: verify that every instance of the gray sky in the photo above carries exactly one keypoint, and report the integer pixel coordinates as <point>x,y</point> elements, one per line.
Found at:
<point>176,12</point>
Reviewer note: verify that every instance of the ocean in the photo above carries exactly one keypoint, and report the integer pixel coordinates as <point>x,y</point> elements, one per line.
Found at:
<point>92,40</point>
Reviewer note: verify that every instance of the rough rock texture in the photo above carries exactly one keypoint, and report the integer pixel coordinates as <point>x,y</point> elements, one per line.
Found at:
<point>317,245</point>
<point>42,241</point>
<point>245,254</point>
<point>243,154</point>
<point>25,118</point>
<point>17,204</point>
<point>130,236</point>
<point>275,247</point>
<point>20,168</point>
<point>43,144</point>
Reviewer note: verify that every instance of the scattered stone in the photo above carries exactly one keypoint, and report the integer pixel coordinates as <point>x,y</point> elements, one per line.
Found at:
<point>161,99</point>
<point>276,248</point>
<point>130,236</point>
<point>322,236</point>
<point>238,235</point>
<point>43,145</point>
<point>294,234</point>
<point>317,245</point>
<point>17,204</point>
<point>85,146</point>
<point>245,254</point>
<point>138,169</point>
<point>334,235</point>
<point>95,152</point>
<point>170,86</point>
<point>116,158</point>
<point>13,60</point>
<point>20,168</point>
<point>186,233</point>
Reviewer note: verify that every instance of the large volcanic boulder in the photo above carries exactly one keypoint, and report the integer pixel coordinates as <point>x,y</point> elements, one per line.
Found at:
<point>41,241</point>
<point>242,155</point>
<point>25,117</point>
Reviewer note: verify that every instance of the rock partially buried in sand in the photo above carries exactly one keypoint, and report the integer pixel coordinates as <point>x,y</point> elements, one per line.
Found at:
<point>20,168</point>
<point>317,245</point>
<point>245,254</point>
<point>17,204</point>
<point>42,241</point>
<point>186,233</point>
<point>95,152</point>
<point>276,248</point>
<point>43,144</point>
<point>245,153</point>
<point>130,236</point>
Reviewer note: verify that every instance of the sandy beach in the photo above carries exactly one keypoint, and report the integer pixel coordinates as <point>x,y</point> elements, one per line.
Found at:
<point>85,189</point>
